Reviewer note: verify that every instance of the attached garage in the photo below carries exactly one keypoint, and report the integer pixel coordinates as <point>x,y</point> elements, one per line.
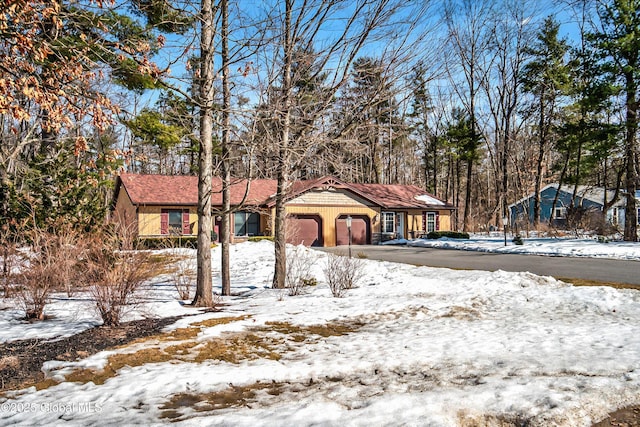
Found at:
<point>360,230</point>
<point>304,230</point>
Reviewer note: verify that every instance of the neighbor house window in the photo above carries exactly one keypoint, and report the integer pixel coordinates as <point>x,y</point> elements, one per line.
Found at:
<point>560,213</point>
<point>174,221</point>
<point>614,216</point>
<point>388,222</point>
<point>246,223</point>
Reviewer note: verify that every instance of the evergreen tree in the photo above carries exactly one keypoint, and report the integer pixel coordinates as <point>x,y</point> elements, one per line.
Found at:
<point>617,42</point>
<point>545,77</point>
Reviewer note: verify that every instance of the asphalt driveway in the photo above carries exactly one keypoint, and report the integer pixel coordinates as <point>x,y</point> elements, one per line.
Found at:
<point>598,269</point>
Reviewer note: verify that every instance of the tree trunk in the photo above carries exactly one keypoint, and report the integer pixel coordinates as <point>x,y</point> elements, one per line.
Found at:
<point>631,212</point>
<point>280,247</point>
<point>467,197</point>
<point>225,226</point>
<point>204,288</point>
<point>539,163</point>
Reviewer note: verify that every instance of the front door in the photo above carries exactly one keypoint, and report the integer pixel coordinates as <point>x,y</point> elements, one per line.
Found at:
<point>400,223</point>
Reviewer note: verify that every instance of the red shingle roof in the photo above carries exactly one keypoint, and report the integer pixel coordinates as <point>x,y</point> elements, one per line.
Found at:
<point>181,190</point>
<point>398,196</point>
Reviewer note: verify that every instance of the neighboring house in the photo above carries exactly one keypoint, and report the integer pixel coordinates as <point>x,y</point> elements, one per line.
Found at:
<point>591,199</point>
<point>160,205</point>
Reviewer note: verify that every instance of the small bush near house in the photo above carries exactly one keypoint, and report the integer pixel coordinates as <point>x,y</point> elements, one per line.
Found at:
<point>299,264</point>
<point>450,234</point>
<point>260,238</point>
<point>167,242</point>
<point>116,275</point>
<point>52,263</point>
<point>10,258</point>
<point>342,273</point>
<point>183,275</point>
<point>517,240</point>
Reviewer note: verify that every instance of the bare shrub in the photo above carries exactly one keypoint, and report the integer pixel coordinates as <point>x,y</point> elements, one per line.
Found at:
<point>342,273</point>
<point>39,275</point>
<point>69,248</point>
<point>299,264</point>
<point>116,275</point>
<point>10,260</point>
<point>183,274</point>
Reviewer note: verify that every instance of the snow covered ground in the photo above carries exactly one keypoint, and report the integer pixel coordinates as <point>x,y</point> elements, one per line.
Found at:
<point>419,346</point>
<point>583,247</point>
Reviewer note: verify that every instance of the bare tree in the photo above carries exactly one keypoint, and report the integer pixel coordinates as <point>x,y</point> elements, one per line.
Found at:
<point>204,288</point>
<point>468,31</point>
<point>336,30</point>
<point>503,89</point>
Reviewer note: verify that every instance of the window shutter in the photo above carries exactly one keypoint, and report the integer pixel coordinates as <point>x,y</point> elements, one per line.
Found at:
<point>424,221</point>
<point>164,221</point>
<point>186,228</point>
<point>437,221</point>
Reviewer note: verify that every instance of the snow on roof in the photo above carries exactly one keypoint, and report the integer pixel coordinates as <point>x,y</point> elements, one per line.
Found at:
<point>429,200</point>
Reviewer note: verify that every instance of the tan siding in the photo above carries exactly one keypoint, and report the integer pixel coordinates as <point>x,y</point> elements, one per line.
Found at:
<point>445,220</point>
<point>149,219</point>
<point>414,222</point>
<point>334,197</point>
<point>125,211</point>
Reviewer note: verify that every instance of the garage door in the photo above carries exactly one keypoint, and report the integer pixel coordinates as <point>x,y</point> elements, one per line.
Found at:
<point>360,230</point>
<point>304,230</point>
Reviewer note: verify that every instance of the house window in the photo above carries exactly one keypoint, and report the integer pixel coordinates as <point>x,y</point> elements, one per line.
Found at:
<point>246,223</point>
<point>614,216</point>
<point>388,222</point>
<point>174,221</point>
<point>560,213</point>
<point>431,222</point>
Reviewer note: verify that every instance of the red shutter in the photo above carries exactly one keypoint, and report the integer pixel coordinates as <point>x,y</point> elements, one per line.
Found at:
<point>164,221</point>
<point>186,227</point>
<point>437,221</point>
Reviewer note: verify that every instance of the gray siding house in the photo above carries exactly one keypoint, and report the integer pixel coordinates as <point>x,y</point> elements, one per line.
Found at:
<point>589,198</point>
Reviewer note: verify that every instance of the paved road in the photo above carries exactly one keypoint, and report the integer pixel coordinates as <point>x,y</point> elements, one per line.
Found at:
<point>606,270</point>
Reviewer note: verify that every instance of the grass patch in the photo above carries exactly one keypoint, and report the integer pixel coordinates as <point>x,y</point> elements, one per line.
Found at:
<point>156,354</point>
<point>587,282</point>
<point>325,331</point>
<point>239,347</point>
<point>232,397</point>
<point>264,342</point>
<point>117,362</point>
<point>219,321</point>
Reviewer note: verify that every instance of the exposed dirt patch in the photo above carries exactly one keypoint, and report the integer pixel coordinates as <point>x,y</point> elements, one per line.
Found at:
<point>21,361</point>
<point>625,417</point>
<point>587,282</point>
<point>234,396</point>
